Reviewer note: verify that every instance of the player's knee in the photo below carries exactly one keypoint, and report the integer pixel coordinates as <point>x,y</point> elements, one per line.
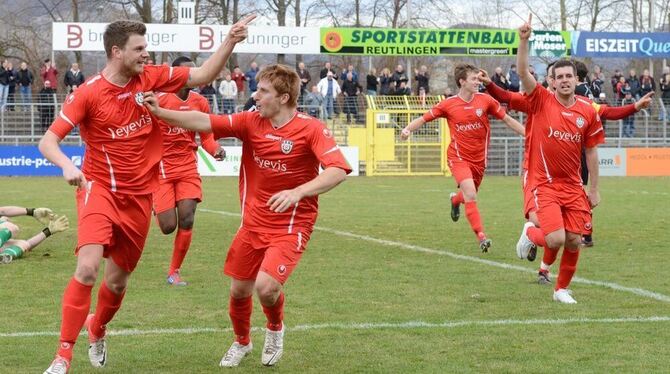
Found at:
<point>268,292</point>
<point>240,292</point>
<point>470,195</point>
<point>86,274</point>
<point>555,241</point>
<point>117,287</point>
<point>186,222</point>
<point>573,242</point>
<point>13,228</point>
<point>167,228</point>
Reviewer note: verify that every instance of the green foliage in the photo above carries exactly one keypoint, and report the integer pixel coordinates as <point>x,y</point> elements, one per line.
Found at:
<point>348,281</point>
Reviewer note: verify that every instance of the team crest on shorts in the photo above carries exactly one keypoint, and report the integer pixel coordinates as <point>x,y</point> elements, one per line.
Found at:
<point>139,98</point>
<point>580,122</point>
<point>286,146</point>
<point>479,112</point>
<point>281,269</point>
<point>588,226</point>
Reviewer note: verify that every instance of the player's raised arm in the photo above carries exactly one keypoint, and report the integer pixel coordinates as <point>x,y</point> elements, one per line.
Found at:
<point>192,120</point>
<point>514,125</point>
<point>527,80</point>
<point>215,63</point>
<point>404,135</point>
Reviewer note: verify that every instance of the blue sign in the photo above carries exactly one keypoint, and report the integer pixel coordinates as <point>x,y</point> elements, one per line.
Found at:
<point>27,160</point>
<point>621,44</point>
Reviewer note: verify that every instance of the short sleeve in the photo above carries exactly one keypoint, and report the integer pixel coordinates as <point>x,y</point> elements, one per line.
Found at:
<point>71,115</point>
<point>595,134</point>
<point>230,125</point>
<point>537,98</point>
<point>495,109</point>
<point>325,149</point>
<point>165,78</point>
<point>438,111</point>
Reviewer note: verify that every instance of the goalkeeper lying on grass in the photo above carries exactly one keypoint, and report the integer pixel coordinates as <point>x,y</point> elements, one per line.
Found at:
<point>15,248</point>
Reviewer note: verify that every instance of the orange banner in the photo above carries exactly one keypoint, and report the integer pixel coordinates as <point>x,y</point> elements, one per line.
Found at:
<point>648,162</point>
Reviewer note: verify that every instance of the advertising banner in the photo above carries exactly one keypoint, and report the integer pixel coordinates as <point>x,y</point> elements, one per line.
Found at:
<point>26,160</point>
<point>208,166</point>
<point>648,162</point>
<point>434,42</point>
<point>612,162</point>
<point>621,44</point>
<point>73,36</point>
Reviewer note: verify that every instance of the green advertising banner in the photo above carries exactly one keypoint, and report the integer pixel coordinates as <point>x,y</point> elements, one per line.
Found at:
<point>436,42</point>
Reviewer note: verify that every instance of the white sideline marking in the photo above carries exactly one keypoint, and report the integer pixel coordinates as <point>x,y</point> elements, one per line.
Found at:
<point>416,248</point>
<point>363,326</point>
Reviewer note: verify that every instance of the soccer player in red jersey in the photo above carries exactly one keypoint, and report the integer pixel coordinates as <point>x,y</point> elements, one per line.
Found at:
<point>518,101</point>
<point>119,174</point>
<point>562,124</point>
<point>467,115</point>
<point>180,186</point>
<point>282,150</point>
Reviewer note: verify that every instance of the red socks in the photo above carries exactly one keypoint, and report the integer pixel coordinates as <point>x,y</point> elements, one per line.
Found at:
<point>568,266</point>
<point>275,314</point>
<point>108,304</point>
<point>182,242</point>
<point>240,316</point>
<point>472,213</point>
<point>549,257</point>
<point>537,237</point>
<point>458,199</point>
<point>76,304</point>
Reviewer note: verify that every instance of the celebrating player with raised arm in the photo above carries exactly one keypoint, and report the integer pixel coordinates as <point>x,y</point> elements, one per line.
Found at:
<point>562,124</point>
<point>119,174</point>
<point>180,187</point>
<point>282,150</point>
<point>467,115</point>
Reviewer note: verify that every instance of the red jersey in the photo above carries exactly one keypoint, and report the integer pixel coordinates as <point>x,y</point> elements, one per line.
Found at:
<point>123,147</point>
<point>179,145</point>
<point>280,159</point>
<point>558,134</point>
<point>468,125</point>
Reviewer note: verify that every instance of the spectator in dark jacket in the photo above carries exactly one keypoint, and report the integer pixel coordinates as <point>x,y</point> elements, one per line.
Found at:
<point>399,75</point>
<point>11,88</point>
<point>47,105</point>
<point>385,82</point>
<point>665,92</point>
<point>305,78</point>
<point>372,82</point>
<point>25,81</point>
<point>634,84</point>
<point>250,75</point>
<point>499,79</point>
<point>513,79</point>
<point>647,83</point>
<point>422,79</point>
<point>73,78</point>
<point>4,84</point>
<point>350,89</point>
<point>327,68</point>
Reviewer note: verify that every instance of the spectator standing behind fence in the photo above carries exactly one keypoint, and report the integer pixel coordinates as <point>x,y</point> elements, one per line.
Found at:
<point>620,88</point>
<point>329,89</point>
<point>327,68</point>
<point>499,79</point>
<point>209,92</point>
<point>4,84</point>
<point>402,89</point>
<point>385,81</point>
<point>513,79</point>
<point>665,92</point>
<point>422,79</point>
<point>228,91</point>
<point>596,84</point>
<point>73,78</point>
<point>350,89</point>
<point>25,81</point>
<point>628,122</point>
<point>634,83</point>
<point>399,75</point>
<point>11,89</point>
<point>314,101</point>
<point>251,77</point>
<point>349,69</point>
<point>616,78</point>
<point>305,78</point>
<point>239,78</point>
<point>47,105</point>
<point>372,82</point>
<point>49,73</point>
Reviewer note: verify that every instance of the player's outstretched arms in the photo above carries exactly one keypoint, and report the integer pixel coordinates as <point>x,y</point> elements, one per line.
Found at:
<point>404,134</point>
<point>514,125</point>
<point>527,80</point>
<point>192,120</point>
<point>594,176</point>
<point>50,148</point>
<point>324,182</point>
<point>215,63</point>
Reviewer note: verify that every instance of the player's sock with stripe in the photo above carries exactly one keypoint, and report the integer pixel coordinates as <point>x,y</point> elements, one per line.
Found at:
<point>108,304</point>
<point>182,242</point>
<point>472,213</point>
<point>568,266</point>
<point>240,316</point>
<point>76,304</point>
<point>275,313</point>
<point>458,198</point>
<point>537,237</point>
<point>548,259</point>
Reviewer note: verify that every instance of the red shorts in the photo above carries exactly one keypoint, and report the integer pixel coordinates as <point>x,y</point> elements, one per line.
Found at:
<point>171,191</point>
<point>462,170</point>
<point>120,222</point>
<point>528,199</point>
<point>562,206</point>
<point>275,254</point>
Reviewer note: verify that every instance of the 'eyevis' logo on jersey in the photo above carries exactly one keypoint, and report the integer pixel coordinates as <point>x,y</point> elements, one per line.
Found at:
<point>139,98</point>
<point>479,112</point>
<point>286,146</point>
<point>580,122</point>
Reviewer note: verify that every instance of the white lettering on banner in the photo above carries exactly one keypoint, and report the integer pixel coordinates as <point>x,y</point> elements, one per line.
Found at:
<point>70,36</point>
<point>612,45</point>
<point>565,136</point>
<point>469,126</point>
<point>125,131</point>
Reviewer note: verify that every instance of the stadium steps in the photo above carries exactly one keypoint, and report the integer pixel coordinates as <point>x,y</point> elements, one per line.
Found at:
<point>17,123</point>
